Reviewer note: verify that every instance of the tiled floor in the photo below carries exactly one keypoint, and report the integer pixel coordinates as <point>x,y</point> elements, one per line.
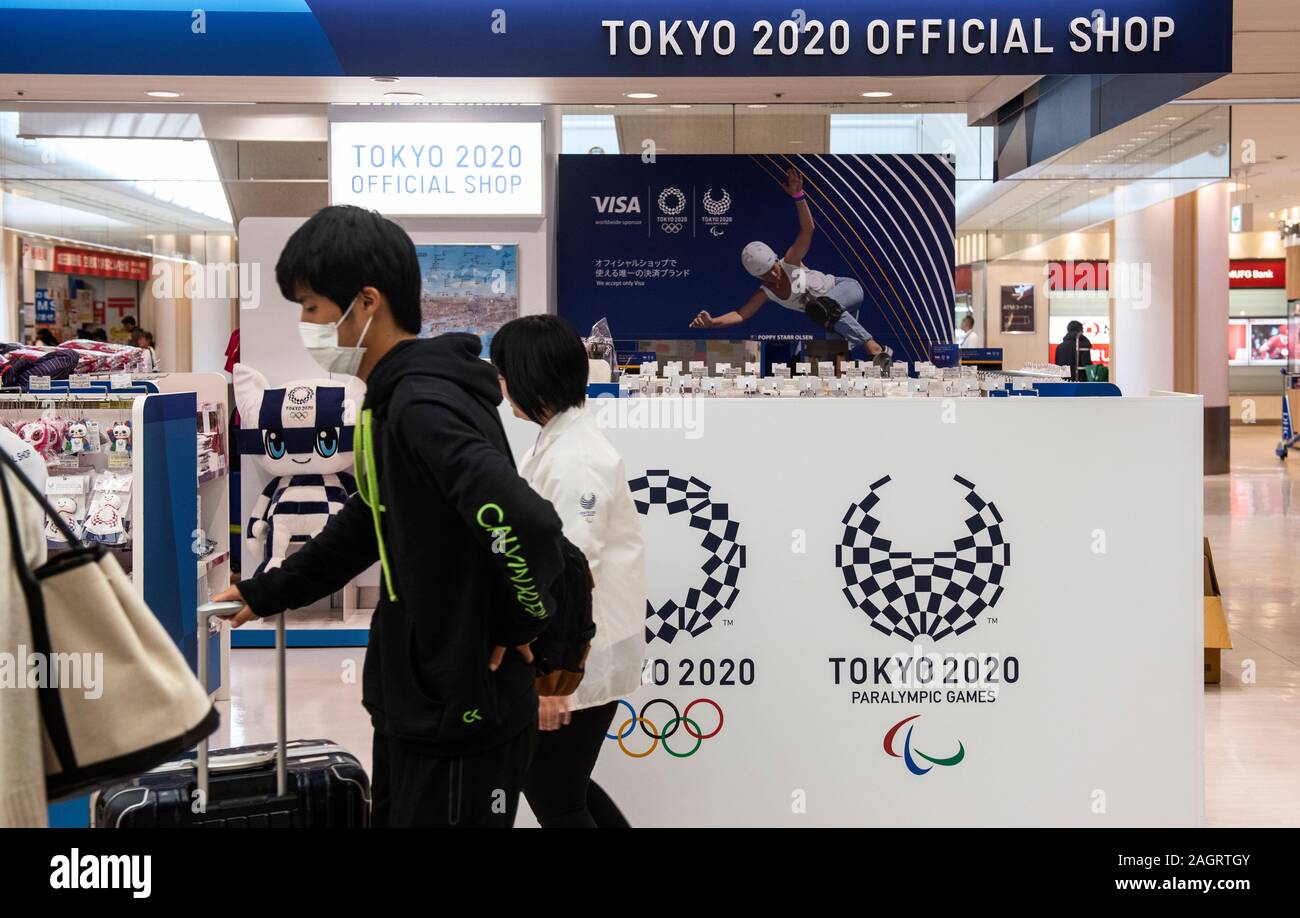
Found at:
<point>1252,719</point>
<point>1252,728</point>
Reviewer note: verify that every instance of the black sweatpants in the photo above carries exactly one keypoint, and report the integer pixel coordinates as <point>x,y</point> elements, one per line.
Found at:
<point>559,788</point>
<point>409,787</point>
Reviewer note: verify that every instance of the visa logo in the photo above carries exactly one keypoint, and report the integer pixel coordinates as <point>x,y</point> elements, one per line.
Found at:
<point>617,204</point>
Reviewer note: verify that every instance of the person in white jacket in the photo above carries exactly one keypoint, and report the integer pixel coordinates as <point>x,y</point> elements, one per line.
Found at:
<point>543,367</point>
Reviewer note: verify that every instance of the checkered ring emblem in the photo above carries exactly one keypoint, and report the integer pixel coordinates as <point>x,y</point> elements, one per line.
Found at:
<point>912,595</point>
<point>725,556</point>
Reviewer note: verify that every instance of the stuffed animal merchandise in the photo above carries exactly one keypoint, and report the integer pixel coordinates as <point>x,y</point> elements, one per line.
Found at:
<point>302,434</point>
<point>45,436</point>
<point>119,437</point>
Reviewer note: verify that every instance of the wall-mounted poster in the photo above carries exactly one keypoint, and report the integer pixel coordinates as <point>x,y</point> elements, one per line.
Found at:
<point>760,248</point>
<point>1018,310</point>
<point>467,288</point>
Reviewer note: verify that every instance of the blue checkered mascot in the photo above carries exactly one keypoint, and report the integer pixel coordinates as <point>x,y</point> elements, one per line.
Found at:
<point>302,434</point>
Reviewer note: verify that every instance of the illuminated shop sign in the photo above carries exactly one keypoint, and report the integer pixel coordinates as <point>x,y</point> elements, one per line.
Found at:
<point>438,168</point>
<point>601,38</point>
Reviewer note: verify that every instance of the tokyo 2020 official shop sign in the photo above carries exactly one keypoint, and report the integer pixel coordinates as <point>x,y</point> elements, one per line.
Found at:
<point>849,629</point>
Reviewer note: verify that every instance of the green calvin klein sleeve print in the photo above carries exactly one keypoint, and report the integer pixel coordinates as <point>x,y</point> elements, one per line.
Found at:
<point>510,520</point>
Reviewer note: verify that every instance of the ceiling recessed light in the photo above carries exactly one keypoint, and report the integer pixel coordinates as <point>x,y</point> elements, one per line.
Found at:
<point>877,94</point>
<point>163,94</point>
<point>641,95</point>
<point>796,141</point>
<point>756,105</point>
<point>679,105</point>
<point>602,106</point>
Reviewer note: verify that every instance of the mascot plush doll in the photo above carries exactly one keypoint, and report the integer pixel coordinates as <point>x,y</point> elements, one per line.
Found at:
<point>301,433</point>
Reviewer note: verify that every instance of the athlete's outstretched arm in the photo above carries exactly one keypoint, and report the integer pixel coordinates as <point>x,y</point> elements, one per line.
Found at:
<point>794,188</point>
<point>735,317</point>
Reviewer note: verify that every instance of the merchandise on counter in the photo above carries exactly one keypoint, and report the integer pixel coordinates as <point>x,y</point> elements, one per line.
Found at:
<point>108,517</point>
<point>860,380</point>
<point>19,365</point>
<point>107,356</point>
<point>302,433</point>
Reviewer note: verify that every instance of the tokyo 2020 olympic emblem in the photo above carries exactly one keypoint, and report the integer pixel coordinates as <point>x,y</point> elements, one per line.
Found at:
<point>693,614</point>
<point>659,736</point>
<point>912,595</point>
<point>672,201</point>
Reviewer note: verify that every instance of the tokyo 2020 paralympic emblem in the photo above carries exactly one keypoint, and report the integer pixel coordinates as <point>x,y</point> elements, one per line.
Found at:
<point>906,754</point>
<point>659,735</point>
<point>912,595</point>
<point>693,614</point>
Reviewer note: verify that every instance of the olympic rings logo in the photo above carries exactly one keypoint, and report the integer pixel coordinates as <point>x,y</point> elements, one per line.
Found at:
<point>659,737</point>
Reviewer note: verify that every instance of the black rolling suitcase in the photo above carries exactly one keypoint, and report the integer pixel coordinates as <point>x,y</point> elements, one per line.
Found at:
<point>299,784</point>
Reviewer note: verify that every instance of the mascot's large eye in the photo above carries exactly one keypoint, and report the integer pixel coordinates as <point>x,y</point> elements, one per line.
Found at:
<point>275,447</point>
<point>327,441</point>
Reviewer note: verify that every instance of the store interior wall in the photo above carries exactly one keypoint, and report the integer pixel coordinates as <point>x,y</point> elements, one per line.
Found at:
<point>1017,349</point>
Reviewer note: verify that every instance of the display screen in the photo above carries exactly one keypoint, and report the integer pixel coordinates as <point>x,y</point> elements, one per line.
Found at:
<point>1268,342</point>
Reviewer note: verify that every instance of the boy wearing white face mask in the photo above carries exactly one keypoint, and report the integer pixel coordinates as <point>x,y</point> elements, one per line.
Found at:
<point>468,550</point>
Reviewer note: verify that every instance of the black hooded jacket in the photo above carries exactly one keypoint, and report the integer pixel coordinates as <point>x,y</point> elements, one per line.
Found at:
<point>451,496</point>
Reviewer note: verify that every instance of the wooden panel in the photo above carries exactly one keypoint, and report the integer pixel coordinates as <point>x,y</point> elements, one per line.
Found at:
<point>1264,52</point>
<point>1293,271</point>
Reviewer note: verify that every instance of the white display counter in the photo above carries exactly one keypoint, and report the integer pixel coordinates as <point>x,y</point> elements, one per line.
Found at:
<point>1094,639</point>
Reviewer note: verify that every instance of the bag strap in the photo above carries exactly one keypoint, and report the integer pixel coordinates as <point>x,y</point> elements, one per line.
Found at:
<point>52,716</point>
<point>50,512</point>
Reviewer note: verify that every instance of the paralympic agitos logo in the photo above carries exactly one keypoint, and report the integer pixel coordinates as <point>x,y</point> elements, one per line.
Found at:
<point>909,753</point>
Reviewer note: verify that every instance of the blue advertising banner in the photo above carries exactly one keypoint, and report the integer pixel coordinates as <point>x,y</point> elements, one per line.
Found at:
<point>653,246</point>
<point>609,38</point>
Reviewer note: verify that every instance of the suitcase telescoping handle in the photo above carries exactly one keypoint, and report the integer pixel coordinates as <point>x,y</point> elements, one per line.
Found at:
<point>213,610</point>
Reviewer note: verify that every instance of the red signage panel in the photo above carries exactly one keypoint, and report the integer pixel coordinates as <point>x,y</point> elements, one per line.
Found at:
<point>100,264</point>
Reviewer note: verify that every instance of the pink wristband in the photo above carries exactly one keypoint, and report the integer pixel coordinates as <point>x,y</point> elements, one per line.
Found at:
<point>797,197</point>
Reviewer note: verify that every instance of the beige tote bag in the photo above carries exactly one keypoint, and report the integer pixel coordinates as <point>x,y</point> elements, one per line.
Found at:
<point>145,706</point>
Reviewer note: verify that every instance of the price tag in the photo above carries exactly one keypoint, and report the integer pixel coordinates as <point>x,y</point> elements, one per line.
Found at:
<point>78,381</point>
<point>120,381</point>
<point>39,384</point>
